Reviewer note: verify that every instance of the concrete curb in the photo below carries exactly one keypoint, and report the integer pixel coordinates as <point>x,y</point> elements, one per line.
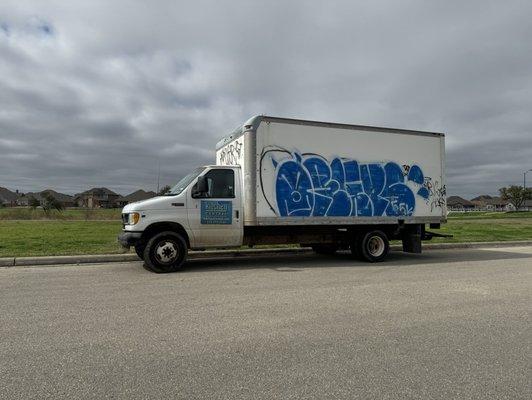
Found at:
<point>7,262</point>
<point>195,255</point>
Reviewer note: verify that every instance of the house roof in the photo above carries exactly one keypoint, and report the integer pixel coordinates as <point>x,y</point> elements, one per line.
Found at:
<point>458,201</point>
<point>137,195</point>
<point>493,201</point>
<point>497,201</point>
<point>39,195</point>
<point>57,195</point>
<point>97,191</point>
<point>482,197</point>
<point>7,195</point>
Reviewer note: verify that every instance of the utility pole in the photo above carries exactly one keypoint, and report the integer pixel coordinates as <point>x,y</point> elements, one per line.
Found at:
<point>524,178</point>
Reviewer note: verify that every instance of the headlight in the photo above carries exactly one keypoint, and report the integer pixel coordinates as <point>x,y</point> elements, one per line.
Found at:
<point>133,218</point>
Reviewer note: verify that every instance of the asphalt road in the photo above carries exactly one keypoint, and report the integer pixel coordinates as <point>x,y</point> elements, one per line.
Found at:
<point>449,324</point>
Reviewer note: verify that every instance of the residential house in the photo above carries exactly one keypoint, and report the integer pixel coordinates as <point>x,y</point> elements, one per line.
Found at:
<point>7,197</point>
<point>97,198</point>
<point>489,203</point>
<point>526,206</point>
<point>138,195</point>
<point>457,203</point>
<point>65,199</point>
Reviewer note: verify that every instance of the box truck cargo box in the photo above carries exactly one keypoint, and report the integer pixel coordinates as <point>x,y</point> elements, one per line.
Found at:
<point>276,180</point>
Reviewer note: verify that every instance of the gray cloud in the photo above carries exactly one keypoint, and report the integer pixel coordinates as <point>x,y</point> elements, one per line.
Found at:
<point>99,93</point>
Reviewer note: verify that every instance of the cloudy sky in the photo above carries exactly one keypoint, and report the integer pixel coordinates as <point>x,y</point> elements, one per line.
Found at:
<point>99,93</point>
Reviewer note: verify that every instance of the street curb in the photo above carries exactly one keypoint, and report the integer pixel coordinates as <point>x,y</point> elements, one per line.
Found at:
<point>7,262</point>
<point>195,255</point>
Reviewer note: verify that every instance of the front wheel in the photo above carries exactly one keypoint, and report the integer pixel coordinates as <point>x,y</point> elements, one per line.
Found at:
<point>139,249</point>
<point>373,246</point>
<point>165,252</point>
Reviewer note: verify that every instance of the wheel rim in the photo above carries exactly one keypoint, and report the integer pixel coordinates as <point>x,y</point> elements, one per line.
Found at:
<point>376,246</point>
<point>166,251</point>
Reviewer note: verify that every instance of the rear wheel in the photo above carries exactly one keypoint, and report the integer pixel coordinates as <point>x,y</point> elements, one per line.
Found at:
<point>165,252</point>
<point>373,246</point>
<point>325,249</point>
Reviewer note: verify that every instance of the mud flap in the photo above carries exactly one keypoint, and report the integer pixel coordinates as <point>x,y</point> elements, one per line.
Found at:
<point>412,238</point>
<point>412,243</point>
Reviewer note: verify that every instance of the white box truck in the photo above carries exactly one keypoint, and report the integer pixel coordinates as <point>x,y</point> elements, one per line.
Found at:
<point>278,181</point>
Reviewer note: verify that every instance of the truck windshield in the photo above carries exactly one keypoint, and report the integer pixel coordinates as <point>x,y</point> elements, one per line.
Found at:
<point>183,183</point>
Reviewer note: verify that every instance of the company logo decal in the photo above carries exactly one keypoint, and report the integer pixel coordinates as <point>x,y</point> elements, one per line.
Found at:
<point>216,212</point>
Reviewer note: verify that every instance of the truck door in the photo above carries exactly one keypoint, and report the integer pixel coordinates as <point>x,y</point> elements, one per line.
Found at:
<point>215,217</point>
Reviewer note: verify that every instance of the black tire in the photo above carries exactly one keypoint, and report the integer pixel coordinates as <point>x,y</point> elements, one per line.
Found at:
<point>373,246</point>
<point>165,252</point>
<point>139,249</point>
<point>325,249</point>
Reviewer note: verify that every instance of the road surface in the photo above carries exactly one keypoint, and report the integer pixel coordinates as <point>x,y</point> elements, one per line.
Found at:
<point>451,324</point>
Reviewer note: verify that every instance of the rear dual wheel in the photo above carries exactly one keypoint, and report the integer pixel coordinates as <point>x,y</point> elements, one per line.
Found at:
<point>372,246</point>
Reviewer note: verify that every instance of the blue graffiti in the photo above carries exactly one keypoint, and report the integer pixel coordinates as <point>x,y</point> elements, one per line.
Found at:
<point>310,185</point>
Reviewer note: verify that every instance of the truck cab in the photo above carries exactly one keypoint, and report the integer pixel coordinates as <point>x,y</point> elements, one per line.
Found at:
<point>203,210</point>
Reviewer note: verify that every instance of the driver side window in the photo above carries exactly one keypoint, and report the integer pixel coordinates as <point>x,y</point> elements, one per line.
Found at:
<point>220,183</point>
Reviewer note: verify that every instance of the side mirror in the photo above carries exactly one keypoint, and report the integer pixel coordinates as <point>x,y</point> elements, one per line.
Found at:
<point>201,187</point>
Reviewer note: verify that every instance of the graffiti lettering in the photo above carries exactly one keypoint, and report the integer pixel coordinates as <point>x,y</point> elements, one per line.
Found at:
<point>437,193</point>
<point>311,185</point>
<point>230,155</point>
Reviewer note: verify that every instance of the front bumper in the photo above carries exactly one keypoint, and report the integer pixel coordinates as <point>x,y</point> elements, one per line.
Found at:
<point>128,239</point>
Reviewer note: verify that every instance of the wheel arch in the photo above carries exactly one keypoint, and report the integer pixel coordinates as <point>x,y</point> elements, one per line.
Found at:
<point>158,227</point>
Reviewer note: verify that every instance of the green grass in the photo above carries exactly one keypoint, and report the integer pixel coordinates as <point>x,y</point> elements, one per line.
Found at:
<point>489,215</point>
<point>71,237</point>
<point>71,214</point>
<point>43,238</point>
<point>486,230</point>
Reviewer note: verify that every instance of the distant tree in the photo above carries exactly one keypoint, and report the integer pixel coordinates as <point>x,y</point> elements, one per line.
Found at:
<point>33,202</point>
<point>516,195</point>
<point>164,189</point>
<point>50,203</point>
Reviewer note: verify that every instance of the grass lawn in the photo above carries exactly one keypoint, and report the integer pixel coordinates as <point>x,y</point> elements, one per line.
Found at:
<point>489,215</point>
<point>71,236</point>
<point>75,214</point>
<point>485,230</point>
<point>44,238</point>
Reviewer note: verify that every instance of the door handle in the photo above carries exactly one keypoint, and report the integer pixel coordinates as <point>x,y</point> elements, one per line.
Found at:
<point>237,214</point>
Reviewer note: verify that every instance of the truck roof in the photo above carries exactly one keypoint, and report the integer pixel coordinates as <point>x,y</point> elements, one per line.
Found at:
<point>254,122</point>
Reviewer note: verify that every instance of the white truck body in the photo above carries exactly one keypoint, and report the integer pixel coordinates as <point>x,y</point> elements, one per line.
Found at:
<point>276,180</point>
<point>302,172</point>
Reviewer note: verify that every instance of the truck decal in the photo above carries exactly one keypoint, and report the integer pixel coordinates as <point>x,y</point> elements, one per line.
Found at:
<point>310,185</point>
<point>216,212</point>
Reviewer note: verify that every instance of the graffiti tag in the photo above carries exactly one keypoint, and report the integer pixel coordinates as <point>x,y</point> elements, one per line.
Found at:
<point>230,155</point>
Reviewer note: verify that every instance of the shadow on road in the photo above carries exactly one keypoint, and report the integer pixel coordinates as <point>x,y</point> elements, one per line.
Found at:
<point>295,262</point>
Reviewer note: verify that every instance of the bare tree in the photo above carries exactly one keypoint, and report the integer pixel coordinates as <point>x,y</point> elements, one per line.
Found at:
<point>516,195</point>
<point>50,203</point>
<point>33,203</point>
<point>164,189</point>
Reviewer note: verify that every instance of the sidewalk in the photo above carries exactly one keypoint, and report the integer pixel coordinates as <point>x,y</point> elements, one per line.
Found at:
<point>193,255</point>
